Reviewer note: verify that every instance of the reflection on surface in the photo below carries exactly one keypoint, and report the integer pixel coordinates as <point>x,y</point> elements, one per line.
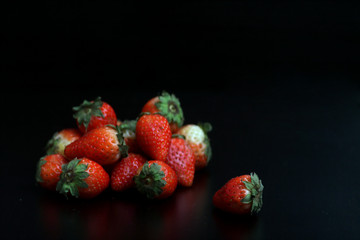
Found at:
<point>237,227</point>
<point>126,215</point>
<point>73,219</point>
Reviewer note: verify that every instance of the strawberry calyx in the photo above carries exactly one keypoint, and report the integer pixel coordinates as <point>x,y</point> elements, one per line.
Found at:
<point>150,180</point>
<point>255,196</point>
<point>72,177</point>
<point>206,127</point>
<point>128,125</point>
<point>38,169</point>
<point>123,148</point>
<point>86,110</point>
<point>169,106</point>
<point>128,128</point>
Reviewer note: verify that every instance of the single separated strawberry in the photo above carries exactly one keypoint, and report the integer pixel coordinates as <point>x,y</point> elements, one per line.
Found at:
<point>94,114</point>
<point>240,195</point>
<point>169,106</point>
<point>104,145</point>
<point>48,170</point>
<point>82,178</point>
<point>153,135</point>
<point>128,128</point>
<point>182,159</point>
<point>124,171</point>
<point>197,137</point>
<point>61,139</point>
<point>156,179</point>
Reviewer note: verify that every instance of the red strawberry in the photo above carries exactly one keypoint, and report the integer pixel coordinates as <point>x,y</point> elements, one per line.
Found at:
<point>196,137</point>
<point>61,139</point>
<point>240,195</point>
<point>103,145</point>
<point>153,135</point>
<point>182,159</point>
<point>48,170</point>
<point>83,178</point>
<point>124,171</point>
<point>169,106</point>
<point>94,114</point>
<point>128,128</point>
<point>156,179</point>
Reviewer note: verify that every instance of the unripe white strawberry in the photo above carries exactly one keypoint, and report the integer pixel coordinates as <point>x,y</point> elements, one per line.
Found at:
<point>193,133</point>
<point>196,137</point>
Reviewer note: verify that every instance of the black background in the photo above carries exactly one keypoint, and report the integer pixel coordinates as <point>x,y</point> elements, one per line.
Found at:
<point>278,81</point>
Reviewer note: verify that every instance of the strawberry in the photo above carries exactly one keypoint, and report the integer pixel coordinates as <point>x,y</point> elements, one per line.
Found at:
<point>48,170</point>
<point>104,145</point>
<point>82,178</point>
<point>196,136</point>
<point>156,179</point>
<point>169,106</point>
<point>61,139</point>
<point>153,135</point>
<point>240,195</point>
<point>182,159</point>
<point>94,114</point>
<point>128,128</point>
<point>124,171</point>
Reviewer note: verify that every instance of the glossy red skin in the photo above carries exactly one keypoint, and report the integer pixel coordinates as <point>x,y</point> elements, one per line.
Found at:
<point>99,145</point>
<point>182,159</point>
<point>199,152</point>
<point>153,135</point>
<point>124,171</point>
<point>132,144</point>
<point>200,156</point>
<point>170,179</point>
<point>97,181</point>
<point>151,108</point>
<point>51,170</point>
<point>228,198</point>
<point>96,122</point>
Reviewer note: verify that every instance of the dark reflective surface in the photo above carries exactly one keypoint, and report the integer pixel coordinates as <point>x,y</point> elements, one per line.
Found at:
<point>279,82</point>
<point>126,215</point>
<point>301,138</point>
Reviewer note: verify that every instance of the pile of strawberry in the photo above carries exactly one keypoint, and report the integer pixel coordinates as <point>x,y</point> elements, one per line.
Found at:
<point>153,153</point>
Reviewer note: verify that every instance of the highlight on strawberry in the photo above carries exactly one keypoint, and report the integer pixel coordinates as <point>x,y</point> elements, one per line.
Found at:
<point>153,135</point>
<point>104,145</point>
